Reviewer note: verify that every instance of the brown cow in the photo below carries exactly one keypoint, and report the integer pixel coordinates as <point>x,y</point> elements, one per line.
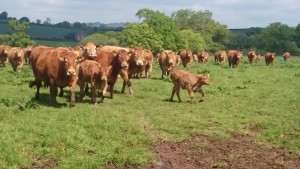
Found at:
<point>252,56</point>
<point>234,58</point>
<point>167,61</point>
<point>203,57</point>
<point>220,57</point>
<point>191,82</point>
<point>286,55</point>
<point>27,53</point>
<point>269,58</point>
<point>119,65</point>
<point>90,71</point>
<point>4,54</point>
<point>16,58</point>
<point>186,56</point>
<point>56,68</point>
<point>148,63</point>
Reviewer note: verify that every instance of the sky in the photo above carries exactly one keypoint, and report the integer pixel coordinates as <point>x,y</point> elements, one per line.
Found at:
<point>233,13</point>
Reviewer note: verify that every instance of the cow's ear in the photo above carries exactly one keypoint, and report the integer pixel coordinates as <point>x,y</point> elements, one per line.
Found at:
<point>115,53</point>
<point>63,59</point>
<point>98,46</point>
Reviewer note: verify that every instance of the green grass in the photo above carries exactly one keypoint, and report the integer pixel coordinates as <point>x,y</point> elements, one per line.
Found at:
<point>122,129</point>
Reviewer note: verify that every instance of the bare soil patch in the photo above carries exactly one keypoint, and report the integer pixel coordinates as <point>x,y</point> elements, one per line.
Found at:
<point>203,152</point>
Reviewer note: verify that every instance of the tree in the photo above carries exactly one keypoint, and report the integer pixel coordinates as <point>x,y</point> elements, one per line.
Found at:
<point>214,33</point>
<point>47,21</point>
<point>193,41</point>
<point>142,35</point>
<point>239,42</point>
<point>297,35</point>
<point>65,24</point>
<point>163,26</point>
<point>24,19</point>
<point>19,37</point>
<point>278,37</point>
<point>3,15</point>
<point>38,21</point>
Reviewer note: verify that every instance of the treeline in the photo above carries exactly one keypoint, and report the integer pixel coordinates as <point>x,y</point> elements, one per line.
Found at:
<point>185,29</point>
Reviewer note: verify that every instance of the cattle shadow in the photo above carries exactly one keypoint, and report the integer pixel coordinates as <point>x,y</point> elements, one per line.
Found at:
<point>44,100</point>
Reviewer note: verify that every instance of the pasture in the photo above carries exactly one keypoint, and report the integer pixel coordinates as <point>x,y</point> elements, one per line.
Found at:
<point>121,130</point>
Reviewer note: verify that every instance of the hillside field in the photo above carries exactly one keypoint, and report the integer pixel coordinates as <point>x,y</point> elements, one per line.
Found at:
<point>257,100</point>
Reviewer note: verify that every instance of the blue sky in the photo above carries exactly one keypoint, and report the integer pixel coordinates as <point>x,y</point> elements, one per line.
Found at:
<point>233,13</point>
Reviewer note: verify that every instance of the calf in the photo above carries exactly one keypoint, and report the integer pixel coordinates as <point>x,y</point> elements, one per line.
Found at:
<point>4,54</point>
<point>269,58</point>
<point>220,57</point>
<point>167,61</point>
<point>252,56</point>
<point>286,55</point>
<point>16,58</point>
<point>186,56</point>
<point>203,57</point>
<point>234,58</point>
<point>191,82</point>
<point>90,71</point>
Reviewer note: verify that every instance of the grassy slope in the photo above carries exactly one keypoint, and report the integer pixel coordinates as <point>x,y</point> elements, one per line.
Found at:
<point>121,130</point>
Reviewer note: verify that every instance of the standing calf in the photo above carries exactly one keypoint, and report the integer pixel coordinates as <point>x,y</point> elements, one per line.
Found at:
<point>189,81</point>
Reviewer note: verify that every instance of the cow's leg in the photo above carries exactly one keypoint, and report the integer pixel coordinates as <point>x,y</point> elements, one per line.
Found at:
<point>94,93</point>
<point>191,94</point>
<point>173,92</point>
<point>61,92</point>
<point>202,96</point>
<point>82,91</point>
<point>53,94</point>
<point>38,86</point>
<point>103,92</point>
<point>72,92</point>
<point>177,90</point>
<point>127,82</point>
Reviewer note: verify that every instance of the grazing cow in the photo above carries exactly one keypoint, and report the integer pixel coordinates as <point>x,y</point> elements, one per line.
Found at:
<point>4,54</point>
<point>191,82</point>
<point>195,57</point>
<point>119,65</point>
<point>269,58</point>
<point>220,57</point>
<point>16,57</point>
<point>186,56</point>
<point>252,56</point>
<point>203,57</point>
<point>234,58</point>
<point>27,53</point>
<point>286,55</point>
<point>167,61</point>
<point>56,68</point>
<point>92,72</point>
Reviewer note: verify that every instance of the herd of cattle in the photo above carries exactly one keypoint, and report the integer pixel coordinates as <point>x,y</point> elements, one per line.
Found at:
<point>100,67</point>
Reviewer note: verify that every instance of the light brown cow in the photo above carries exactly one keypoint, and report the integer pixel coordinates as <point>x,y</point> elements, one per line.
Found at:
<point>234,58</point>
<point>269,58</point>
<point>167,61</point>
<point>119,65</point>
<point>4,54</point>
<point>191,82</point>
<point>286,55</point>
<point>252,56</point>
<point>220,57</point>
<point>89,51</point>
<point>203,57</point>
<point>148,63</point>
<point>16,58</point>
<point>186,56</point>
<point>92,72</point>
<point>56,68</point>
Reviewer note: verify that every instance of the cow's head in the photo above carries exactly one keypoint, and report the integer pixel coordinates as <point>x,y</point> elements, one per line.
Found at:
<point>19,56</point>
<point>68,59</point>
<point>89,50</point>
<point>171,58</point>
<point>122,57</point>
<point>138,56</point>
<point>203,79</point>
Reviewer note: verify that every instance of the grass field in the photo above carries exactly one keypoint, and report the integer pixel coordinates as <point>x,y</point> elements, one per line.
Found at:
<point>254,99</point>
